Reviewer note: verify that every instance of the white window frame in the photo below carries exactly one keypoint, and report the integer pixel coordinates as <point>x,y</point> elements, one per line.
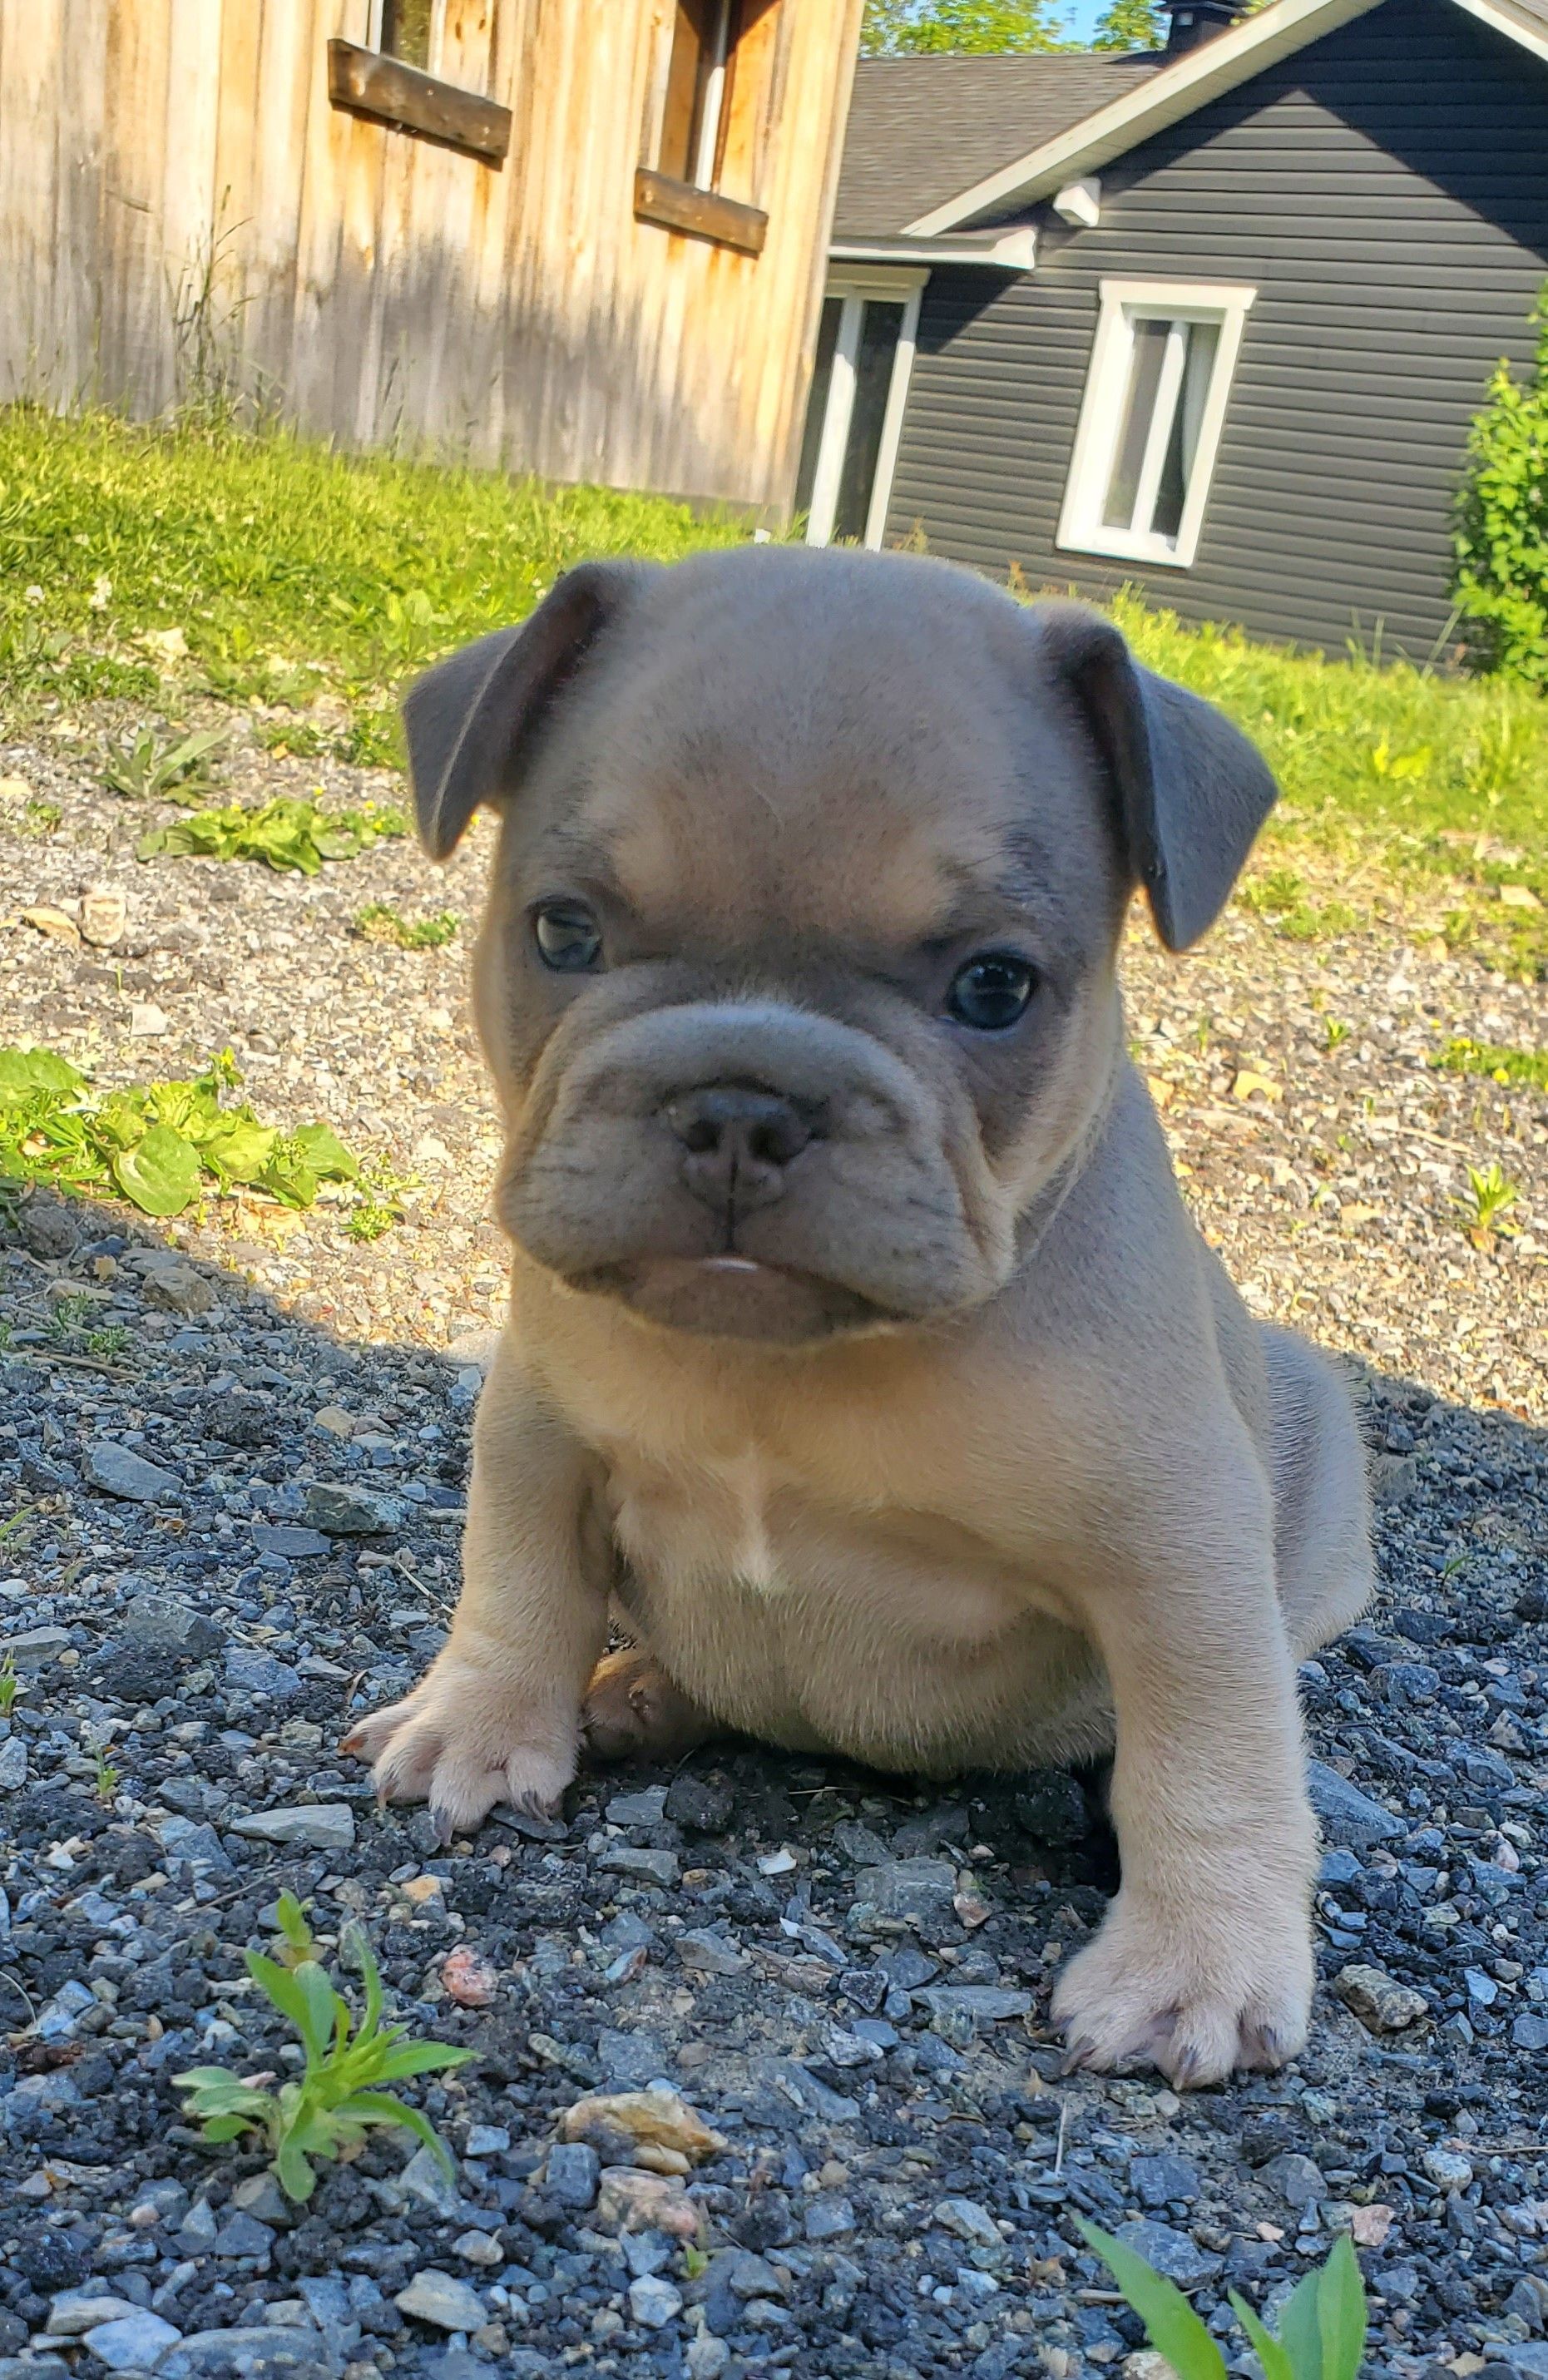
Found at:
<point>374,13</point>
<point>1081,528</point>
<point>853,288</point>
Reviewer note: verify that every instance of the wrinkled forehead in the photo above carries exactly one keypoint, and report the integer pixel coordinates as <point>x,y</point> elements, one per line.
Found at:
<point>867,786</point>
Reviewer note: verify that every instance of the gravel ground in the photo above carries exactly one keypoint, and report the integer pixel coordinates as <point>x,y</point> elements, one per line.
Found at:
<point>243,1526</point>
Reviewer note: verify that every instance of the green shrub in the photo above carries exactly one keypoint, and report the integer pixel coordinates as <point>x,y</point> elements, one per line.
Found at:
<point>1502,522</point>
<point>1321,2328</point>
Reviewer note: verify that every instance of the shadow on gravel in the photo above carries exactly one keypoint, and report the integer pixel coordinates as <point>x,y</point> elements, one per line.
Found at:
<point>224,1533</point>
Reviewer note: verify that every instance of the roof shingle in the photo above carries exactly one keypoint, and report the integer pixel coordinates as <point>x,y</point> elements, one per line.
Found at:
<point>923,129</point>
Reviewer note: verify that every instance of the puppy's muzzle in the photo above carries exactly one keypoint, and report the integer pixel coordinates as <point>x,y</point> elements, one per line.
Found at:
<point>737,1141</point>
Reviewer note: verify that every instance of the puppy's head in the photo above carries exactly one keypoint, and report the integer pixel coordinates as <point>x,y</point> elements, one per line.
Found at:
<point>797,974</point>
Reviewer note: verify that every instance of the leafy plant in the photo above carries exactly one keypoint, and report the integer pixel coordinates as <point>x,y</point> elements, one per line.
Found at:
<point>1491,1194</point>
<point>10,1685</point>
<point>1322,2329</point>
<point>39,819</point>
<point>161,1145</point>
<point>1396,766</point>
<point>326,2110</point>
<point>378,922</point>
<point>1335,1033</point>
<point>1527,1067</point>
<point>914,28</point>
<point>1501,537</point>
<point>144,768</point>
<point>283,833</point>
<point>106,1778</point>
<point>378,1201</point>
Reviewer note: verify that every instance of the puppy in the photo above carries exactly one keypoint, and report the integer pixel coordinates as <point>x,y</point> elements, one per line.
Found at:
<point>863,1361</point>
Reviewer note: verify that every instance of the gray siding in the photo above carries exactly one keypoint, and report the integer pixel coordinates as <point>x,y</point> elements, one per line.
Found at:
<point>1386,191</point>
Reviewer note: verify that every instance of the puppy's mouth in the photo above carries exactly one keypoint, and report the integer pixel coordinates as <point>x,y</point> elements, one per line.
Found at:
<point>731,1296</point>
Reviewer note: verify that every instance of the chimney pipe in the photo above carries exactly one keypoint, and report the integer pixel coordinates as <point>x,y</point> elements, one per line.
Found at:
<point>1192,21</point>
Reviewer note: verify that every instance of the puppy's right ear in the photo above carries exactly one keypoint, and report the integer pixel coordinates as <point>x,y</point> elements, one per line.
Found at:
<point>471,720</point>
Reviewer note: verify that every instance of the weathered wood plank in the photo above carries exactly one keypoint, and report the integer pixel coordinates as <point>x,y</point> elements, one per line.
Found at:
<point>704,214</point>
<point>374,85</point>
<point>33,343</point>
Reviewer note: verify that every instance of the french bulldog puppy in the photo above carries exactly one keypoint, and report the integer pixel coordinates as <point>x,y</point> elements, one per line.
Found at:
<point>863,1363</point>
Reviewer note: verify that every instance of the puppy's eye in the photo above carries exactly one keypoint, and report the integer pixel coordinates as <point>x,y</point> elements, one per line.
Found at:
<point>992,991</point>
<point>568,937</point>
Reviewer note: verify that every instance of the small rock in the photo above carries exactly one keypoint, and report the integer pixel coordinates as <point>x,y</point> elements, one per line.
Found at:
<point>252,2351</point>
<point>572,2173</point>
<point>479,2248</point>
<point>297,1544</point>
<point>441,2299</point>
<point>965,2219</point>
<point>645,1807</point>
<point>132,2342</point>
<point>1298,2182</point>
<point>1052,1809</point>
<point>1446,2169</point>
<point>322,1826</point>
<point>702,1805</point>
<point>243,2239</point>
<point>981,2003</point>
<point>829,2218</point>
<point>468,1977</point>
<point>13,1764</point>
<point>36,1647</point>
<point>653,2302</point>
<point>424,2178</point>
<point>710,1950</point>
<point>147,1022</point>
<point>75,2311</point>
<point>1382,2004</point>
<point>260,1673</point>
<point>160,1623</point>
<point>240,1420</point>
<point>176,1285</point>
<point>351,1511</point>
<point>118,1471</point>
<point>629,2199</point>
<point>1349,1815</point>
<point>912,1888</point>
<point>261,2196</point>
<point>707,2357</point>
<point>197,2228</point>
<point>47,1227</point>
<point>1172,2253</point>
<point>1530,2030</point>
<point>628,1859</point>
<point>334,1421</point>
<point>104,913</point>
<point>487,2140</point>
<point>1158,2180</point>
<point>657,2119</point>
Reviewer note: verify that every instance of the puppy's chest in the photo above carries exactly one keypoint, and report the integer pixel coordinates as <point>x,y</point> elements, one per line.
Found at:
<point>742,1527</point>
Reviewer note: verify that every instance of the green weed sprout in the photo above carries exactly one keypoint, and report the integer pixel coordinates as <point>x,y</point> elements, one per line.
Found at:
<point>327,2110</point>
<point>1321,2330</point>
<point>1491,1194</point>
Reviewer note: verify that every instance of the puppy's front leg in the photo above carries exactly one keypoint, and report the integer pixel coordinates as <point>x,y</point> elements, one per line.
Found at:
<point>497,1716</point>
<point>1204,1960</point>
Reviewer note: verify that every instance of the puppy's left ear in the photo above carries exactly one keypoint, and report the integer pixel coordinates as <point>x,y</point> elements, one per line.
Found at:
<point>1192,792</point>
<point>471,722</point>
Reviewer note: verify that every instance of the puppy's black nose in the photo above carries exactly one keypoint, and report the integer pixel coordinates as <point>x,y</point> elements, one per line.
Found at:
<point>738,1142</point>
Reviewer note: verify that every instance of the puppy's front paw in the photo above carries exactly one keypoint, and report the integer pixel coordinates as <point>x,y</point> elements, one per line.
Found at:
<point>1197,1997</point>
<point>463,1740</point>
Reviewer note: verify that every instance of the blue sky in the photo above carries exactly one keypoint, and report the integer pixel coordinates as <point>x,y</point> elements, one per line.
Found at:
<point>1081,16</point>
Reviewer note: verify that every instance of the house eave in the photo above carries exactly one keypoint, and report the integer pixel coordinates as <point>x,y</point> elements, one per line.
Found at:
<point>1202,74</point>
<point>1000,251</point>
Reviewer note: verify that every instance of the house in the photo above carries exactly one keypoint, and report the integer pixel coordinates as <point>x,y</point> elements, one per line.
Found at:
<point>1212,322</point>
<point>578,238</point>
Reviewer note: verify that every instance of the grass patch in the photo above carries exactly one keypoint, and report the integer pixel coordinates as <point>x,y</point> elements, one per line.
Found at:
<point>379,922</point>
<point>272,569</point>
<point>283,833</point>
<point>164,564</point>
<point>1528,1068</point>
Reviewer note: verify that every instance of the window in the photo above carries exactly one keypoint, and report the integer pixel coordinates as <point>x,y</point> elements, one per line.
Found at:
<point>405,29</point>
<point>855,411</point>
<point>707,40</point>
<point>1151,418</point>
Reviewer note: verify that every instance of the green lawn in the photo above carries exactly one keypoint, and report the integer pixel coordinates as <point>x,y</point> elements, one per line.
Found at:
<point>290,572</point>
